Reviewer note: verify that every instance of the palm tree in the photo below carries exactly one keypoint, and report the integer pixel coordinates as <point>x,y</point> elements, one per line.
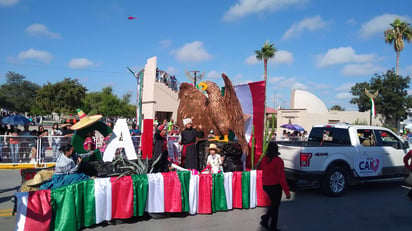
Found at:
<point>400,31</point>
<point>265,53</point>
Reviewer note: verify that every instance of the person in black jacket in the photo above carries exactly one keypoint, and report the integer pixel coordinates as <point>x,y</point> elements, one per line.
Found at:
<point>160,150</point>
<point>190,154</point>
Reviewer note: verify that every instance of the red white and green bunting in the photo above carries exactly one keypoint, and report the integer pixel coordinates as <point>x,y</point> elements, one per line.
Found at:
<point>93,201</point>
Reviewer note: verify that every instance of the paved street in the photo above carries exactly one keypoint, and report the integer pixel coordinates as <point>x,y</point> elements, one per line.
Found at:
<point>377,206</point>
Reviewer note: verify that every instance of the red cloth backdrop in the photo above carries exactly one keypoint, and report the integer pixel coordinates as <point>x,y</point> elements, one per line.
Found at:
<point>257,89</point>
<point>147,138</point>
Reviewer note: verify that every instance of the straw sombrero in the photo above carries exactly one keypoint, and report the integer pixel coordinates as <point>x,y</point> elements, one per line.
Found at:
<point>85,120</point>
<point>213,146</point>
<point>40,177</point>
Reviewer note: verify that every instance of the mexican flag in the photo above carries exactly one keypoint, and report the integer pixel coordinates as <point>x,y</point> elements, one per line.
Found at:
<point>34,211</point>
<point>93,201</point>
<point>252,99</point>
<point>373,110</point>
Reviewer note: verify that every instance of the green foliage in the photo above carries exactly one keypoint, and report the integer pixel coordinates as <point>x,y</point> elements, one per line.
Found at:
<point>337,108</point>
<point>18,94</point>
<point>123,167</point>
<point>399,31</point>
<point>360,122</point>
<point>266,139</point>
<point>61,97</point>
<point>392,100</point>
<point>108,104</point>
<point>267,51</point>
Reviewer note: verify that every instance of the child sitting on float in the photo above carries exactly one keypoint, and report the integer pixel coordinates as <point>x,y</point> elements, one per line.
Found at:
<point>214,160</point>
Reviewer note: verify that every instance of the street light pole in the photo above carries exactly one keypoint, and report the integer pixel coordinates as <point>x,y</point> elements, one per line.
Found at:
<point>139,79</point>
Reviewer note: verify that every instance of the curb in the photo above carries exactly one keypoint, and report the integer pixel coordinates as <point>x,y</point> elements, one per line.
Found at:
<point>26,165</point>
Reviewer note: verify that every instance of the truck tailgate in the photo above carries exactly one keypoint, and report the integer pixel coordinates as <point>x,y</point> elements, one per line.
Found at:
<point>290,155</point>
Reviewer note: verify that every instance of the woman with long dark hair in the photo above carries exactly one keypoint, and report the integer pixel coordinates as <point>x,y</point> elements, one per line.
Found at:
<point>274,180</point>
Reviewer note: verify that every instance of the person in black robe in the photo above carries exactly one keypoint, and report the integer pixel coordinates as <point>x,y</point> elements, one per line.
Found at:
<point>190,154</point>
<point>160,149</point>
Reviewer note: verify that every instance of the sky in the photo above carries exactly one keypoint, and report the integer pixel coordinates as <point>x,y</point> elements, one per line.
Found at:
<point>323,46</point>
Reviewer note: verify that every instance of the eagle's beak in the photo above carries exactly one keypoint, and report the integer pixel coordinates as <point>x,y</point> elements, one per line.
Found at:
<point>202,86</point>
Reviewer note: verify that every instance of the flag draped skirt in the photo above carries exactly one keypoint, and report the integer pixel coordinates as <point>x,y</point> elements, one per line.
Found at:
<point>93,201</point>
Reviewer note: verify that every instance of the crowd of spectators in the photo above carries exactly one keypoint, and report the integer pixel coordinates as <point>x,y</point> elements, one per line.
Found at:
<point>292,136</point>
<point>167,79</point>
<point>18,146</point>
<point>28,143</point>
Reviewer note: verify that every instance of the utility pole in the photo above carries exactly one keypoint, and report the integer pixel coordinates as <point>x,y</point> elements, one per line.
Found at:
<point>196,76</point>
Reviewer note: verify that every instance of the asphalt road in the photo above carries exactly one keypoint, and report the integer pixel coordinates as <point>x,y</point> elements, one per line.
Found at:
<point>373,206</point>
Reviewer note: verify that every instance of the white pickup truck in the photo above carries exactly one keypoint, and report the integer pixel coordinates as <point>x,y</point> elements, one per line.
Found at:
<point>337,155</point>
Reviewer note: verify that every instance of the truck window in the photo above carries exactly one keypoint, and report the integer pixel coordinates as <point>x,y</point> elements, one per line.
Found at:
<point>329,136</point>
<point>366,137</point>
<point>388,139</point>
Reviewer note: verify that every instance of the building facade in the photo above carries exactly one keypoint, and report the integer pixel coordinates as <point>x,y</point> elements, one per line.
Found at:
<point>308,110</point>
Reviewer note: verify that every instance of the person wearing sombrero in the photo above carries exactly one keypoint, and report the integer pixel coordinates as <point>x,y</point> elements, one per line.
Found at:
<point>83,125</point>
<point>214,160</point>
<point>85,120</point>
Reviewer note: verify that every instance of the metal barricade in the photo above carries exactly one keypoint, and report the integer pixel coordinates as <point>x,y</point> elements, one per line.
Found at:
<point>18,149</point>
<point>32,149</point>
<point>101,144</point>
<point>137,145</point>
<point>174,149</point>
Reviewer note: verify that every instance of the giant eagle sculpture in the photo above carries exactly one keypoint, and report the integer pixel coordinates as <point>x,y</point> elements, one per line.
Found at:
<point>213,111</point>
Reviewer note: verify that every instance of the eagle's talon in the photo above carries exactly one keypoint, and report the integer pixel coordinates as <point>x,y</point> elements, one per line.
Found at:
<point>225,139</point>
<point>215,138</point>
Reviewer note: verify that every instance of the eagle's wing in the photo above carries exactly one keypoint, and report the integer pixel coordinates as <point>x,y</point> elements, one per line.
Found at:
<point>193,104</point>
<point>235,113</point>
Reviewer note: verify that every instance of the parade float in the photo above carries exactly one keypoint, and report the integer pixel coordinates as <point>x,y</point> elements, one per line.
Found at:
<point>137,193</point>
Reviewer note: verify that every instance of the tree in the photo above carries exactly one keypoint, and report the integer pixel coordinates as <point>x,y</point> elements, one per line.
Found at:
<point>399,32</point>
<point>337,108</point>
<point>18,94</point>
<point>265,53</point>
<point>108,104</point>
<point>61,97</point>
<point>392,100</point>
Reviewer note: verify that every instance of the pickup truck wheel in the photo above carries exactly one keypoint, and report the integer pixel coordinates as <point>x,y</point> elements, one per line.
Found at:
<point>334,182</point>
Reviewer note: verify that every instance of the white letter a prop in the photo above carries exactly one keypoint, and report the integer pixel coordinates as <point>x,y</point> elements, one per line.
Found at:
<point>120,139</point>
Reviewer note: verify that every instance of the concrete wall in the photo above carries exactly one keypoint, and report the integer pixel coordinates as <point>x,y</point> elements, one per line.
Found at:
<point>149,78</point>
<point>166,99</point>
<point>156,96</point>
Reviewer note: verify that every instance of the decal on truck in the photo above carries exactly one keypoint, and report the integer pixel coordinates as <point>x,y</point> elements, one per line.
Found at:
<point>369,165</point>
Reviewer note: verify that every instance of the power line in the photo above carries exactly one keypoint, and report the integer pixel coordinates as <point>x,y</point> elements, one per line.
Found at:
<point>62,68</point>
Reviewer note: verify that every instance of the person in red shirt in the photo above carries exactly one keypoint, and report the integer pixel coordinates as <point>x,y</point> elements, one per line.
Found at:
<point>89,143</point>
<point>274,180</point>
<point>408,166</point>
